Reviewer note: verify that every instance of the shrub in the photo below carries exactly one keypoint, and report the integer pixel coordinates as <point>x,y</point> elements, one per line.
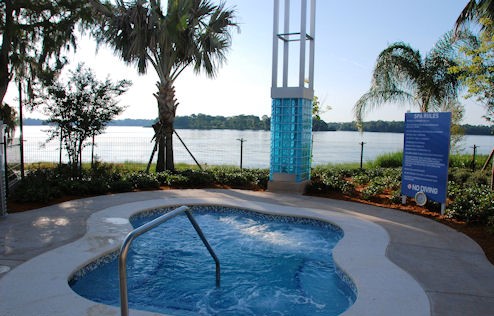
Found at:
<point>37,186</point>
<point>237,178</point>
<point>479,177</point>
<point>490,224</point>
<point>197,178</point>
<point>468,177</point>
<point>325,179</point>
<point>261,178</point>
<point>473,204</point>
<point>170,179</point>
<point>74,186</point>
<point>230,176</point>
<point>121,185</point>
<point>372,190</point>
<point>459,175</point>
<point>395,196</point>
<point>142,180</point>
<point>361,179</point>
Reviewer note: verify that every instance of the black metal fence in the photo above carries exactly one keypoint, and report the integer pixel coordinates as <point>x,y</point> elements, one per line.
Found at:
<point>138,150</point>
<point>12,161</point>
<point>251,150</point>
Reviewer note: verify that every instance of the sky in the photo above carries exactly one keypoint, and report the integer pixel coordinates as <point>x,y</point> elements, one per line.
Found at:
<point>349,37</point>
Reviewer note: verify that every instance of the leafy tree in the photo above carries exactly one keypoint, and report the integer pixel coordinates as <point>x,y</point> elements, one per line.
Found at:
<point>265,123</point>
<point>401,75</point>
<point>457,131</point>
<point>189,33</point>
<point>34,35</point>
<point>81,108</point>
<point>317,110</point>
<point>319,125</point>
<point>476,68</point>
<point>9,117</point>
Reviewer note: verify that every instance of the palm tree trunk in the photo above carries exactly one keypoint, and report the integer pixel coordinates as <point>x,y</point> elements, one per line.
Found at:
<point>160,164</point>
<point>170,162</point>
<point>167,105</point>
<point>165,150</point>
<point>159,139</point>
<point>424,105</point>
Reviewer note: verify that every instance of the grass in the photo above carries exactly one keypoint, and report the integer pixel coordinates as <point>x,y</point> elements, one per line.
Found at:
<point>339,166</point>
<point>394,160</point>
<point>126,166</point>
<point>465,161</point>
<point>391,160</point>
<point>388,160</point>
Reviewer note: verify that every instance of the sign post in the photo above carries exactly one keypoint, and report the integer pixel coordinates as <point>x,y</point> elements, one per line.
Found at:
<point>426,156</point>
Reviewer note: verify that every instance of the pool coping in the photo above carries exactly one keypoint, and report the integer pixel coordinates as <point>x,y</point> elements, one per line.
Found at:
<point>383,287</point>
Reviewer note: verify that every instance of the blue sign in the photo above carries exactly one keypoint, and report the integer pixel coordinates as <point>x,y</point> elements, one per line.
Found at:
<point>426,155</point>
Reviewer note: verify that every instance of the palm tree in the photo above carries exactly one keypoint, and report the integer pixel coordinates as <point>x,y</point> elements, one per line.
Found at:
<point>192,33</point>
<point>401,75</point>
<point>474,11</point>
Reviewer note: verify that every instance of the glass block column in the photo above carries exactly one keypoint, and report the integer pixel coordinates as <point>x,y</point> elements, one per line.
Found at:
<point>291,138</point>
<point>292,91</point>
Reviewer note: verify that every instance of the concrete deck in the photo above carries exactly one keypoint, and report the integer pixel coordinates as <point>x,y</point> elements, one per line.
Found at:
<point>451,268</point>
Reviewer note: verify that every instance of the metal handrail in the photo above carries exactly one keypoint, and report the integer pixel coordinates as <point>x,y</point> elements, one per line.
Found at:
<point>122,260</point>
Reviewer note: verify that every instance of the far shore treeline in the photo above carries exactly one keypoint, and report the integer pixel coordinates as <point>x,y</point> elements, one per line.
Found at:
<point>252,122</point>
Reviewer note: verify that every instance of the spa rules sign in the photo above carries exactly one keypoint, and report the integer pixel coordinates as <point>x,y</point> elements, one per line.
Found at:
<point>426,155</point>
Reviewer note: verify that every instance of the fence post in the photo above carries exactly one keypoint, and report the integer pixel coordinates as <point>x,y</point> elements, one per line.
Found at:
<point>92,154</point>
<point>3,171</point>
<point>474,155</point>
<point>361,154</point>
<point>60,151</point>
<point>21,128</point>
<point>241,140</point>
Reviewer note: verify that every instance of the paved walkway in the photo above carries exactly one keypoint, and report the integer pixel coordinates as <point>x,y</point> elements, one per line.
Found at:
<point>451,268</point>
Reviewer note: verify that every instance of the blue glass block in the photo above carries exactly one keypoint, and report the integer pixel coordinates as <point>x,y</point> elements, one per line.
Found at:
<point>291,137</point>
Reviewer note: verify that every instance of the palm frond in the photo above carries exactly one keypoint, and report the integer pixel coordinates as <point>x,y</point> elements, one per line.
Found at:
<point>467,14</point>
<point>450,43</point>
<point>373,99</point>
<point>187,32</point>
<point>474,11</point>
<point>402,76</point>
<point>397,66</point>
<point>443,85</point>
<point>214,38</point>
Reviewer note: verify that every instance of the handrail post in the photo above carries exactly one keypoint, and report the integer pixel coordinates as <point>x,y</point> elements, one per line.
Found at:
<point>206,243</point>
<point>124,249</point>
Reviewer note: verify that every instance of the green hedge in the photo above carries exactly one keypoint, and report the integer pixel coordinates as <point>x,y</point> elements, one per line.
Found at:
<point>470,197</point>
<point>46,184</point>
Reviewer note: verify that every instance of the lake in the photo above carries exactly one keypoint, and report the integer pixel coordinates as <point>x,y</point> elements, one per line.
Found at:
<point>222,147</point>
